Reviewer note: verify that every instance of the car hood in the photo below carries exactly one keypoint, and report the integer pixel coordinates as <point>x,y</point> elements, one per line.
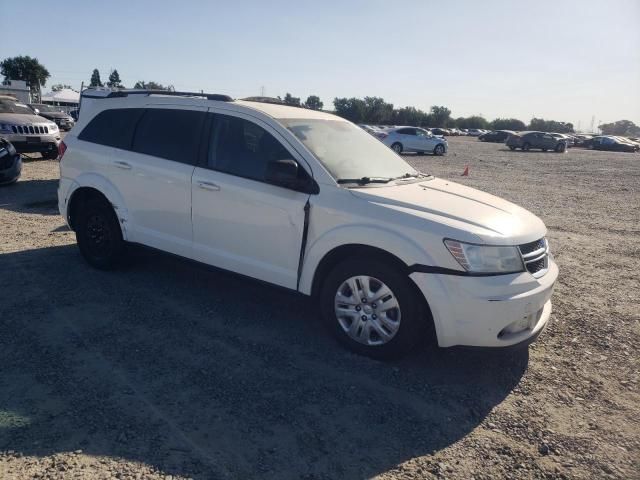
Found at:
<point>490,219</point>
<point>21,119</point>
<point>54,115</point>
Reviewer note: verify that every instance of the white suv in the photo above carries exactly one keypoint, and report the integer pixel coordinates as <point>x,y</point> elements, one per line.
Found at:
<point>307,201</point>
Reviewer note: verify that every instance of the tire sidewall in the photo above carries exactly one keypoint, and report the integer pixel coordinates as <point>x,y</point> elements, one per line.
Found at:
<point>413,323</point>
<point>439,150</point>
<point>399,151</point>
<point>110,258</point>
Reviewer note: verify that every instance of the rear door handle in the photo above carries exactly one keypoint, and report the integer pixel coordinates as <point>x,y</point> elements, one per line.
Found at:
<point>209,186</point>
<point>123,165</point>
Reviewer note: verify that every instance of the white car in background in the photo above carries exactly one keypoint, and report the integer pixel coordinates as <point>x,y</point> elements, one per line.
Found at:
<point>413,139</point>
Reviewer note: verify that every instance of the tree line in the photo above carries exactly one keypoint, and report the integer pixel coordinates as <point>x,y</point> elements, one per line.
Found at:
<point>367,110</point>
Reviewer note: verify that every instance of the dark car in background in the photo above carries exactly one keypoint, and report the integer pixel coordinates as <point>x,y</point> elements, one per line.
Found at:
<point>440,131</point>
<point>537,140</point>
<point>498,136</point>
<point>613,144</point>
<point>10,163</point>
<point>64,121</point>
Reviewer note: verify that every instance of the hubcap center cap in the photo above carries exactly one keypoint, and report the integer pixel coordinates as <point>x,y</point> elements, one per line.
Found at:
<point>367,309</point>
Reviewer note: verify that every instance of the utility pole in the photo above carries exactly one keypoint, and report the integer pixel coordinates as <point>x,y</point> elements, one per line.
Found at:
<point>262,91</point>
<point>593,119</point>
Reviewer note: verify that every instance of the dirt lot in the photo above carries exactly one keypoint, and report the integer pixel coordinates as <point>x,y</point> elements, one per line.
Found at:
<point>168,370</point>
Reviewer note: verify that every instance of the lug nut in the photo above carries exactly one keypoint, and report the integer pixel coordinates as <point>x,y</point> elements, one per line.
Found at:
<point>358,308</point>
<point>364,300</point>
<point>364,318</point>
<point>374,316</point>
<point>374,305</point>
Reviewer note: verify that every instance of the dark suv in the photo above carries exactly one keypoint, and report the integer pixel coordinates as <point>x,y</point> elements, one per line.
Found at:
<point>64,121</point>
<point>539,140</point>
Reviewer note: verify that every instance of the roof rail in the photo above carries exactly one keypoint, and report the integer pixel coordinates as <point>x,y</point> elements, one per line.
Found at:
<point>275,101</point>
<point>104,93</point>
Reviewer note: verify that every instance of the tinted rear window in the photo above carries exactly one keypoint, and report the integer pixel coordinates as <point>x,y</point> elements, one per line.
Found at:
<point>113,128</point>
<point>170,133</point>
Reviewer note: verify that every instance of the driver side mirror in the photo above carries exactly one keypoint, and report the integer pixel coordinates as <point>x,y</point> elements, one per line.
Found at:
<point>285,174</point>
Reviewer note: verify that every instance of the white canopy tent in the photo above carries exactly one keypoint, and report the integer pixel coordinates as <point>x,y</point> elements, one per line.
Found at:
<point>65,97</point>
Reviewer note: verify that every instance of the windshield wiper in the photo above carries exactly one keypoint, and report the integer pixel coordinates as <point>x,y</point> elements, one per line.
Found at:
<point>365,180</point>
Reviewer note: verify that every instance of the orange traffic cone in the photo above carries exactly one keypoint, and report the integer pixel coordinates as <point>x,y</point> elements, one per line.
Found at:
<point>466,172</point>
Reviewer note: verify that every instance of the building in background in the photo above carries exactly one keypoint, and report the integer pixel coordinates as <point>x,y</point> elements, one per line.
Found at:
<point>16,88</point>
<point>65,99</point>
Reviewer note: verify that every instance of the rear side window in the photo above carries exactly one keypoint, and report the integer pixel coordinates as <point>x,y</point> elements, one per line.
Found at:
<point>406,131</point>
<point>169,133</point>
<point>113,128</point>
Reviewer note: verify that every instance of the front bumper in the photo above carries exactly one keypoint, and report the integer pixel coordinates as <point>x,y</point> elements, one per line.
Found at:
<point>477,311</point>
<point>33,143</point>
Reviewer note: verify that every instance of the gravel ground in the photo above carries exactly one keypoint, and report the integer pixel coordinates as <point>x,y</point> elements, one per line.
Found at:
<point>167,370</point>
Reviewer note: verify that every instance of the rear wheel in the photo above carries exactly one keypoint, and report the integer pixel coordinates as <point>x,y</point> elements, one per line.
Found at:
<point>561,147</point>
<point>50,155</point>
<point>439,150</point>
<point>544,149</point>
<point>526,147</point>
<point>512,148</point>
<point>372,308</point>
<point>98,234</point>
<point>397,147</point>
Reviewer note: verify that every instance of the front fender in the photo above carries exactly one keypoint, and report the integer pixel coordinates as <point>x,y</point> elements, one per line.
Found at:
<point>108,189</point>
<point>388,240</point>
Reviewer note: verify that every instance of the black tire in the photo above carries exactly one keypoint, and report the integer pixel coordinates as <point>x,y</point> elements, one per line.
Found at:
<point>526,147</point>
<point>415,319</point>
<point>50,155</point>
<point>544,149</point>
<point>98,234</point>
<point>512,148</point>
<point>561,147</point>
<point>397,147</point>
<point>439,150</point>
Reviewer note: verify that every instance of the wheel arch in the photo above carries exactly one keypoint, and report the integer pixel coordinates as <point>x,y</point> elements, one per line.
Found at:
<point>91,186</point>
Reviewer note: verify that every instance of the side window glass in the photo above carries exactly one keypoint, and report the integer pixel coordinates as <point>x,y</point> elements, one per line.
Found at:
<point>170,133</point>
<point>112,128</point>
<point>240,147</point>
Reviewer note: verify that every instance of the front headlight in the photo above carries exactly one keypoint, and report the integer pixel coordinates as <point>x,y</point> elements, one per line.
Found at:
<point>5,128</point>
<point>486,258</point>
<point>53,127</point>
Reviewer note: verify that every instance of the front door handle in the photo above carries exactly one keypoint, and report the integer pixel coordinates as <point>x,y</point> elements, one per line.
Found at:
<point>209,186</point>
<point>123,165</point>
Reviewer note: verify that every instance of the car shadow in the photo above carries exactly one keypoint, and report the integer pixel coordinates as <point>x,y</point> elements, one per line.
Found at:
<point>205,374</point>
<point>30,196</point>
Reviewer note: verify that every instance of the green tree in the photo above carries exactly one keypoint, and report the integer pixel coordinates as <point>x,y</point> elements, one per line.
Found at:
<point>410,116</point>
<point>27,69</point>
<point>624,128</point>
<point>439,116</point>
<point>95,79</point>
<point>313,102</point>
<point>475,121</point>
<point>114,80</point>
<point>353,109</point>
<point>542,125</point>
<point>377,111</point>
<point>507,124</point>
<point>291,100</point>
<point>141,84</point>
<point>59,86</point>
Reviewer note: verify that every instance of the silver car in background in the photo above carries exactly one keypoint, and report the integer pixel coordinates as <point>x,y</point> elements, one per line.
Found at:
<point>414,139</point>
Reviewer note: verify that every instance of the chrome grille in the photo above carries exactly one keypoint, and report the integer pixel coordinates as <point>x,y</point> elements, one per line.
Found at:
<point>536,257</point>
<point>30,129</point>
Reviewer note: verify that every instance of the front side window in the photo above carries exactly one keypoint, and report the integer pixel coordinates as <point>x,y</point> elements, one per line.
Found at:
<point>242,148</point>
<point>347,151</point>
<point>170,133</point>
<point>112,128</point>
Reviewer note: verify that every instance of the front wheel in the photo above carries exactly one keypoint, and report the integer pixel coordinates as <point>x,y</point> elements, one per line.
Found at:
<point>512,148</point>
<point>50,155</point>
<point>561,147</point>
<point>372,308</point>
<point>397,147</point>
<point>439,150</point>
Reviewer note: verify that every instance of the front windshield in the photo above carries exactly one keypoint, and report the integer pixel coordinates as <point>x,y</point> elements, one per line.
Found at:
<point>43,108</point>
<point>347,151</point>
<point>7,106</point>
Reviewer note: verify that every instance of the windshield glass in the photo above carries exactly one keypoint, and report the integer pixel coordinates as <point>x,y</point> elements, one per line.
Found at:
<point>347,151</point>
<point>7,106</point>
<point>43,108</point>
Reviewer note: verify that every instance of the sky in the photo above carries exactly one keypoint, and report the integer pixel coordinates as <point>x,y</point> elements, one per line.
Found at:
<point>563,60</point>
